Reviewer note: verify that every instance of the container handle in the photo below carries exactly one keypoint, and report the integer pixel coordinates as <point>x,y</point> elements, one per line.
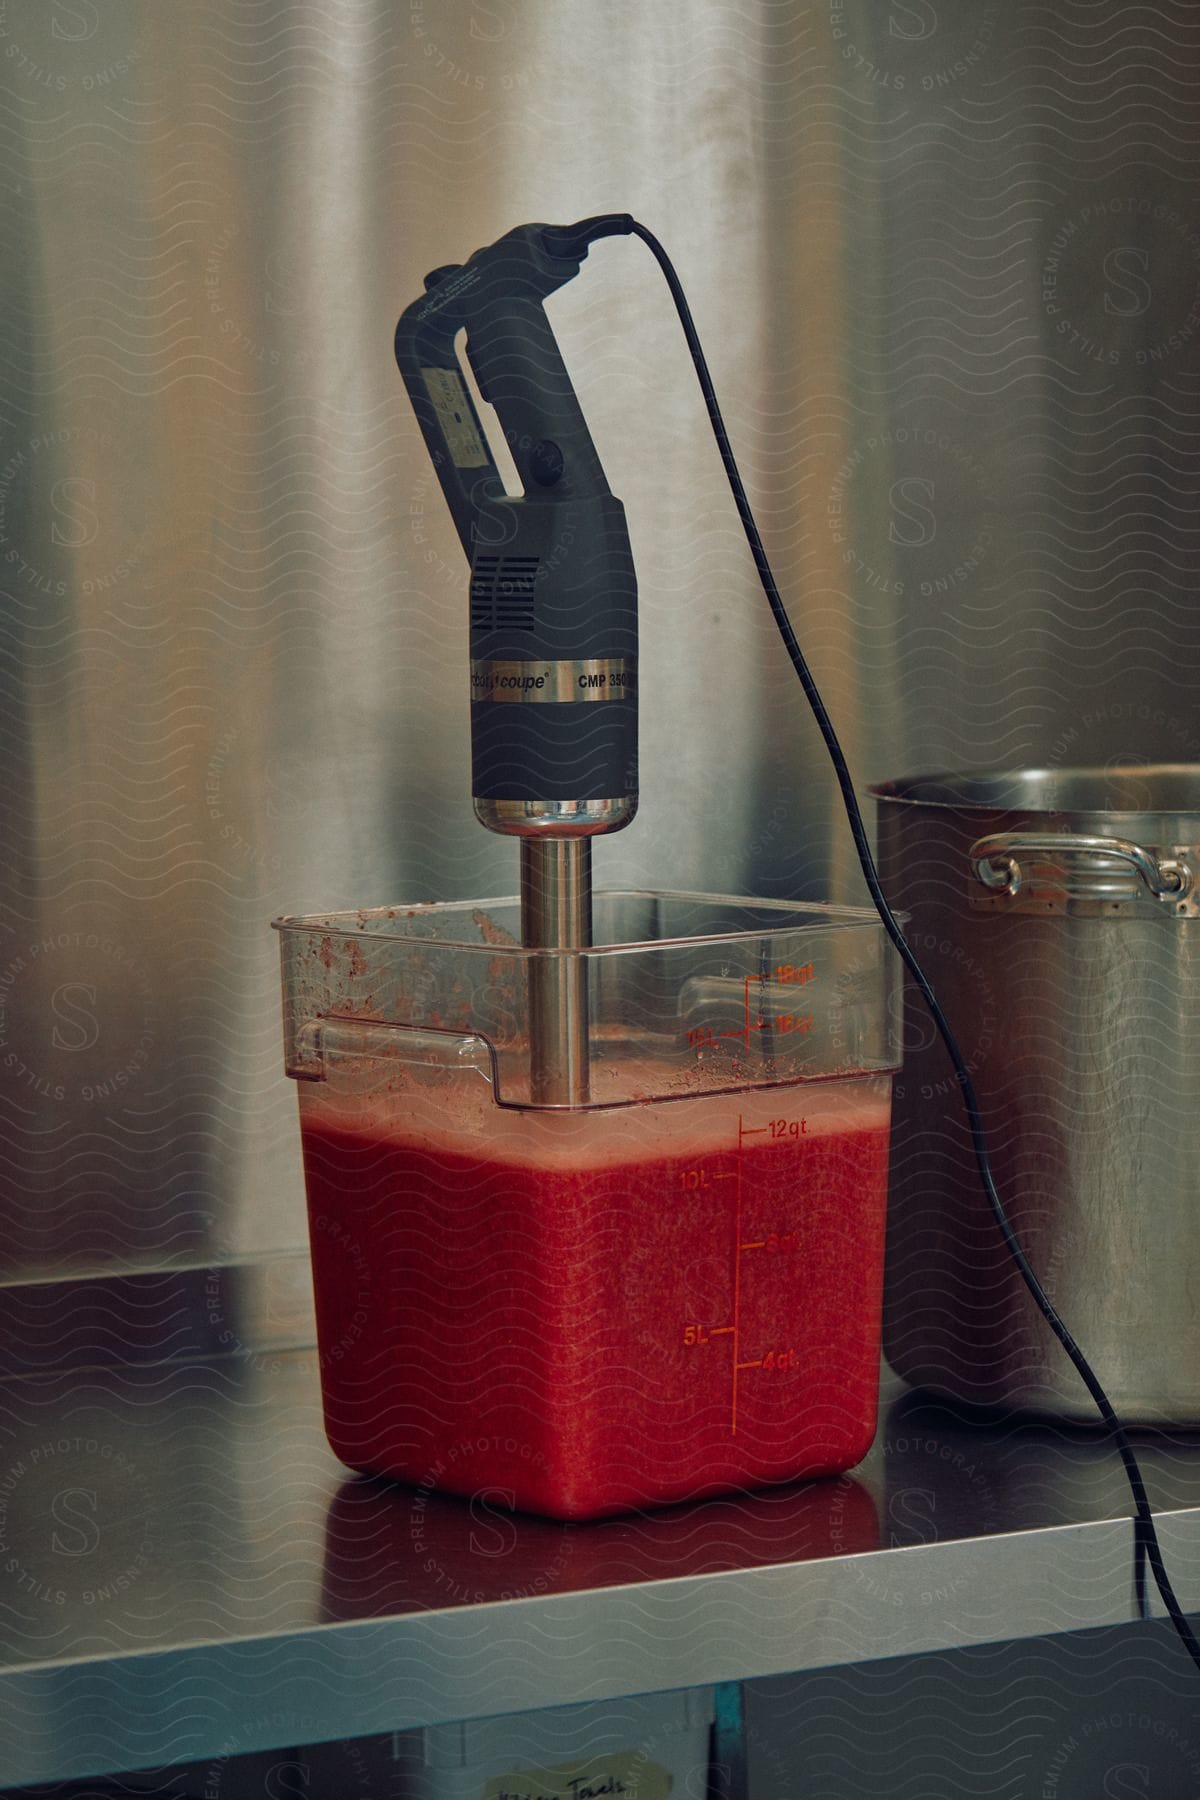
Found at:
<point>995,860</point>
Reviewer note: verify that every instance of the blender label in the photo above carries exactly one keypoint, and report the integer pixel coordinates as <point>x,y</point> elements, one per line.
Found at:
<point>554,683</point>
<point>449,396</point>
<point>452,288</point>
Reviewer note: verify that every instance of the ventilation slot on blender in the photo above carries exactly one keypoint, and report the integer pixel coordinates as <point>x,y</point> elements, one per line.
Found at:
<point>502,593</point>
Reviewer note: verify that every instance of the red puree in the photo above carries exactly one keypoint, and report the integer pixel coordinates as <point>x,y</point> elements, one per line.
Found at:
<point>557,1319</point>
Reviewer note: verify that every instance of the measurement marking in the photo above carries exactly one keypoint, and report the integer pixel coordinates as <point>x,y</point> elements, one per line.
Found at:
<point>753,1130</point>
<point>761,1245</point>
<point>720,1330</point>
<point>737,1271</point>
<point>754,1365</point>
<point>747,1027</point>
<point>728,1177</point>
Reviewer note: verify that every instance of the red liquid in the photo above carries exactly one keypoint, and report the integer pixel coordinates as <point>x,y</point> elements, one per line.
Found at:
<point>561,1329</point>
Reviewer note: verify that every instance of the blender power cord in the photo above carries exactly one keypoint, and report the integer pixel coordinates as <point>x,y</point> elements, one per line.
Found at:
<point>575,239</point>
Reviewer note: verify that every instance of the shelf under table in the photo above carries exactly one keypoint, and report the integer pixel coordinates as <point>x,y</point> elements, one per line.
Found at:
<point>187,1572</point>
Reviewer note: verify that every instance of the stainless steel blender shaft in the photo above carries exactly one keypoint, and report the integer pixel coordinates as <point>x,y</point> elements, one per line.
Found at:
<point>556,914</point>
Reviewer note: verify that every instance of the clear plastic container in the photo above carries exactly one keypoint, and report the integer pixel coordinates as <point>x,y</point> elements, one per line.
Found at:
<point>670,1291</point>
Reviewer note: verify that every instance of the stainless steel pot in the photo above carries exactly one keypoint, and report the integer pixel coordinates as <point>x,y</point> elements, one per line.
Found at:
<point>1055,913</point>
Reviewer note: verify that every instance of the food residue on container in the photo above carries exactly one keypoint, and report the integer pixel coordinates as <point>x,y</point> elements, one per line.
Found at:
<point>493,934</point>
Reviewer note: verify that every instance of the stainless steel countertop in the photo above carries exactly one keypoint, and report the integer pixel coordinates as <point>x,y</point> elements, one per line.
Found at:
<point>186,1571</point>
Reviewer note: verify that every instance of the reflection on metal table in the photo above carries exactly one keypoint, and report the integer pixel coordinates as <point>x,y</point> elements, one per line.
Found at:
<point>187,1572</point>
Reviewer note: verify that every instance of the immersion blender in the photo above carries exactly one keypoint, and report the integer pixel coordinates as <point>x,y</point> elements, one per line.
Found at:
<point>553,606</point>
<point>552,777</point>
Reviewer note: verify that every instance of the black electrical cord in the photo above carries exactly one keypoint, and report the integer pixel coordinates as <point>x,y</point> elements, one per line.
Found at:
<point>1146,1537</point>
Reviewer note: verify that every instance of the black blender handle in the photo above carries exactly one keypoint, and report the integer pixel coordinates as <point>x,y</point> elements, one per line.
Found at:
<point>498,297</point>
<point>553,594</point>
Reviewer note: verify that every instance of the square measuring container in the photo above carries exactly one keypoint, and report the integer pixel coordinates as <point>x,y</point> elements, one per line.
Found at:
<point>670,1290</point>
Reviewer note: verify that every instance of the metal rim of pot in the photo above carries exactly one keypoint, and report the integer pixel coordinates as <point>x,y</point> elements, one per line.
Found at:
<point>1100,842</point>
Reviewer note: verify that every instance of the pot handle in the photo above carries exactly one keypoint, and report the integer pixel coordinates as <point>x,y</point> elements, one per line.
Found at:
<point>995,861</point>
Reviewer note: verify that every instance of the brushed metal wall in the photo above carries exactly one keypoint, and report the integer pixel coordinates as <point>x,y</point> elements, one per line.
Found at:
<point>945,258</point>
